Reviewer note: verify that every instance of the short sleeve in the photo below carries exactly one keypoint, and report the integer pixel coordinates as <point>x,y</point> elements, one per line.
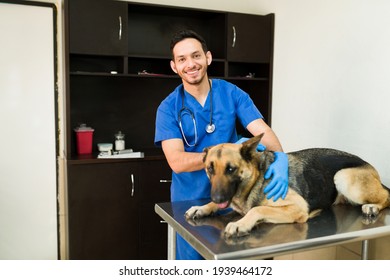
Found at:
<point>166,123</point>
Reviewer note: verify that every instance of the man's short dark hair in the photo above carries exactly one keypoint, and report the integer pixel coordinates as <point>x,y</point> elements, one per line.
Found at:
<point>185,34</point>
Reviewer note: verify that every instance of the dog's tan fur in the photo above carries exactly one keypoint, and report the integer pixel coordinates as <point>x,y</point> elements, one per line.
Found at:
<point>236,173</point>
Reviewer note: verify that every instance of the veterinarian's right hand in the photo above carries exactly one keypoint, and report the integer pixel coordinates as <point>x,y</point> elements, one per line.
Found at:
<point>259,148</point>
<point>278,186</point>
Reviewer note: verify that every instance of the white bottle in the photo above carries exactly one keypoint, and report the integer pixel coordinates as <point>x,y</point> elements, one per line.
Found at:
<point>119,141</point>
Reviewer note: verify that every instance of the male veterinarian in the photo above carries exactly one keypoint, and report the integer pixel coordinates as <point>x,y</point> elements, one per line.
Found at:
<point>200,113</point>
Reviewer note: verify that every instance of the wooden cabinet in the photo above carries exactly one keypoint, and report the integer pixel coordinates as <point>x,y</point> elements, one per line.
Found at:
<point>102,209</point>
<point>111,210</point>
<point>98,27</point>
<point>250,38</point>
<point>116,83</point>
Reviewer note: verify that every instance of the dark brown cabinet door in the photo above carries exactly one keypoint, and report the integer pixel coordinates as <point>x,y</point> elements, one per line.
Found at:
<point>103,217</point>
<point>250,38</point>
<point>98,27</point>
<point>155,177</point>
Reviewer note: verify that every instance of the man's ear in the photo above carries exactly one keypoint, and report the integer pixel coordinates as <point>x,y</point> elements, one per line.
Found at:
<point>173,66</point>
<point>209,58</point>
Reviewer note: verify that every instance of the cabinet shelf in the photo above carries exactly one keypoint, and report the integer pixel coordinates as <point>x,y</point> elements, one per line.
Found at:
<point>158,66</point>
<point>96,63</point>
<point>92,159</point>
<point>161,76</point>
<point>81,73</point>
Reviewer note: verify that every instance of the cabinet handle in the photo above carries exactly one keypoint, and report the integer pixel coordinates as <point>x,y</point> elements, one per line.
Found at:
<point>132,184</point>
<point>120,28</point>
<point>165,181</point>
<point>234,36</point>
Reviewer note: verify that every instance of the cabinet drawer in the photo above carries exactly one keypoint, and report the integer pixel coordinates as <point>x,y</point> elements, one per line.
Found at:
<point>155,179</point>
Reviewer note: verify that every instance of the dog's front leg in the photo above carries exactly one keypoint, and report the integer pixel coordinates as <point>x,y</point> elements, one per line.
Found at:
<point>243,226</point>
<point>283,214</point>
<point>196,212</point>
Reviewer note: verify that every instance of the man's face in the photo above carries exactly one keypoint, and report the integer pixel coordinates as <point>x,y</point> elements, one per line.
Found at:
<point>190,62</point>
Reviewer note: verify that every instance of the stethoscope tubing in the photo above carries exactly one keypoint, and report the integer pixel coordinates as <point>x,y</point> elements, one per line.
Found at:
<point>181,127</point>
<point>210,128</point>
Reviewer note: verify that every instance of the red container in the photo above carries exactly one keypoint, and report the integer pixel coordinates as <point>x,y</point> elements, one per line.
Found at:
<point>84,137</point>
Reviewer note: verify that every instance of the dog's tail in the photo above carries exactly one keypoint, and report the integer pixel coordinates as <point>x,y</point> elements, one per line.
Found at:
<point>314,213</point>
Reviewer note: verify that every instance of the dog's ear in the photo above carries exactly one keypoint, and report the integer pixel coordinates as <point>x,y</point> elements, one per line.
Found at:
<point>256,139</point>
<point>206,151</point>
<point>250,146</point>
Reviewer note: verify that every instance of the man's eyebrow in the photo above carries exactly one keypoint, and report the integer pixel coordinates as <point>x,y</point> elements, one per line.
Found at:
<point>183,55</point>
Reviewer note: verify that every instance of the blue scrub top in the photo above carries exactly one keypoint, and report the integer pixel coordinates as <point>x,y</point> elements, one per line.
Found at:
<point>229,103</point>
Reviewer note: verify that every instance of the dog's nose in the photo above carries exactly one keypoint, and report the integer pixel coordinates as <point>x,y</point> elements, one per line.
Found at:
<point>218,198</point>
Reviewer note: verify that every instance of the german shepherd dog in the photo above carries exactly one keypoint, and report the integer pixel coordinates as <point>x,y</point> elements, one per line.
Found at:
<point>318,178</point>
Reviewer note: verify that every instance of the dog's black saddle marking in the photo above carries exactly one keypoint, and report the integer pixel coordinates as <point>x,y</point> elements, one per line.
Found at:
<point>315,170</point>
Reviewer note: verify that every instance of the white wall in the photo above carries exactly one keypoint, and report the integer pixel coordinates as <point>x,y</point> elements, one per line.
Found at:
<point>331,88</point>
<point>330,66</point>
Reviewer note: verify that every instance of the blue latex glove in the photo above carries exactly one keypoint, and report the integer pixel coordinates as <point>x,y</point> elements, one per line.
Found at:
<point>260,147</point>
<point>278,186</point>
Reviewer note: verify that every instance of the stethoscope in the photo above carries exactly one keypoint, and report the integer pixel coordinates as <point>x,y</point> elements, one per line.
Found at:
<point>210,127</point>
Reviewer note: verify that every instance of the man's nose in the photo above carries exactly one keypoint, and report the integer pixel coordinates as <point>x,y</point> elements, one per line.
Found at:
<point>190,63</point>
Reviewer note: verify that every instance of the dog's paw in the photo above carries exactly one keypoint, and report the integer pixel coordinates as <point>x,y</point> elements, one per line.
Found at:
<point>238,240</point>
<point>369,220</point>
<point>236,229</point>
<point>370,210</point>
<point>196,212</point>
<point>195,222</point>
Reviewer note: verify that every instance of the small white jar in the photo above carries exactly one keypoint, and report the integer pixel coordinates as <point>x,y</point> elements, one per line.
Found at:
<point>119,141</point>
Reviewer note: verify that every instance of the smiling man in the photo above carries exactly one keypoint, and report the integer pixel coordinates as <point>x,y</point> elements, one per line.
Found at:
<point>200,113</point>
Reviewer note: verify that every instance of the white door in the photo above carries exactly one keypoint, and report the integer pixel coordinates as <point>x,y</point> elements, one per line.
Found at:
<point>28,172</point>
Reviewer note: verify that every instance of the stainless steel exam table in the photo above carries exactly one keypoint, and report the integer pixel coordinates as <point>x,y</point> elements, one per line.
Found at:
<point>337,225</point>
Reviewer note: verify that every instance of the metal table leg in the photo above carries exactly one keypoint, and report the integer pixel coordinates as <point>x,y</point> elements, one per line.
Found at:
<point>365,250</point>
<point>171,243</point>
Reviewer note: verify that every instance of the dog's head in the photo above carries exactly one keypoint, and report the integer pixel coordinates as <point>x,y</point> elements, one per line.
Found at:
<point>232,169</point>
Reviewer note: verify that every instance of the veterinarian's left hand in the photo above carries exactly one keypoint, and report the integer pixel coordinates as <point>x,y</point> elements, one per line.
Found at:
<point>278,186</point>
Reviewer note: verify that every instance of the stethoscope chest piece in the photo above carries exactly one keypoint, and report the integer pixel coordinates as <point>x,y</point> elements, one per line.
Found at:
<point>210,128</point>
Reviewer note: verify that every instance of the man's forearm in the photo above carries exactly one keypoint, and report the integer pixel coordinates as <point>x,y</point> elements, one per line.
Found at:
<point>186,162</point>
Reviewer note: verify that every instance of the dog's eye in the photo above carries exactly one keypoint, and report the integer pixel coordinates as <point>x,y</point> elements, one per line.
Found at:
<point>210,169</point>
<point>230,169</point>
